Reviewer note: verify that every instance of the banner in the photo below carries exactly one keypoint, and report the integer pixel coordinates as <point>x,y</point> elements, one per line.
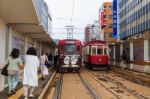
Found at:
<point>115,19</point>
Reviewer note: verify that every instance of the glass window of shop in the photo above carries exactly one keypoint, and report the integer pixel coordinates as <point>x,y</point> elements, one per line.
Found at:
<point>19,44</point>
<point>126,48</point>
<point>111,52</point>
<point>117,52</point>
<point>138,50</point>
<point>149,49</point>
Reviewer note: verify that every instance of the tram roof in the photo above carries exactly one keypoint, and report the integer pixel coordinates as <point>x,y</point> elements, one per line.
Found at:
<point>63,41</point>
<point>96,42</point>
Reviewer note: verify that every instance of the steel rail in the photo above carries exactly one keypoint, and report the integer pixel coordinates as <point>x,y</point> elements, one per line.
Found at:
<point>57,94</point>
<point>89,89</point>
<point>47,86</point>
<point>106,87</point>
<point>138,96</point>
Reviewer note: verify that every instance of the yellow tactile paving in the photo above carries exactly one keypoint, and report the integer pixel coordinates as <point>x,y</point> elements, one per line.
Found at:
<point>20,91</point>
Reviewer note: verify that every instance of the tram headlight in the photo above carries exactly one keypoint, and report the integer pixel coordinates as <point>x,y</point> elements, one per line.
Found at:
<point>100,60</point>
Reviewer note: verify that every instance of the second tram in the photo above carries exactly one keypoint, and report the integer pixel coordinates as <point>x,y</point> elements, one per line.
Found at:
<point>94,54</point>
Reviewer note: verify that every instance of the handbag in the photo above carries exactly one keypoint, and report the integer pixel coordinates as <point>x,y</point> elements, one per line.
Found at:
<point>4,70</point>
<point>45,70</point>
<point>46,63</point>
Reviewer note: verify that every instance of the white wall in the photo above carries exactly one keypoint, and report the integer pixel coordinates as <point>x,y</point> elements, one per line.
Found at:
<point>2,49</point>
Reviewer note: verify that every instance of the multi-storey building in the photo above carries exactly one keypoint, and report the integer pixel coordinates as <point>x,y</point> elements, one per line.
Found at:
<point>92,32</point>
<point>105,22</point>
<point>133,31</point>
<point>23,23</point>
<point>87,33</point>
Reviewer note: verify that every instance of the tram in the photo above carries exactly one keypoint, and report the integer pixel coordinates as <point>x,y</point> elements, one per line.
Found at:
<point>94,54</point>
<point>69,55</point>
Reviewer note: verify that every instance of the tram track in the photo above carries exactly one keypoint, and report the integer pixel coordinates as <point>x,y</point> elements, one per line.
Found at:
<point>41,96</point>
<point>106,88</point>
<point>138,96</point>
<point>104,77</point>
<point>136,77</point>
<point>89,88</point>
<point>59,93</point>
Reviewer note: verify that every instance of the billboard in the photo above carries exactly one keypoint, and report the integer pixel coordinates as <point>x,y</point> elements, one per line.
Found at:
<point>115,19</point>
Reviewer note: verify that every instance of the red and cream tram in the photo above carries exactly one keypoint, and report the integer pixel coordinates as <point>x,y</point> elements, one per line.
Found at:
<point>69,55</point>
<point>94,54</point>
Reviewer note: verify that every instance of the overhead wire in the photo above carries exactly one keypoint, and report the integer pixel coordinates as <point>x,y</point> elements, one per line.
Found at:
<point>72,10</point>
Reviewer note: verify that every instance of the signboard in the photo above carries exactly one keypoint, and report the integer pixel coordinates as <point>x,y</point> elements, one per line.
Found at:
<point>115,19</point>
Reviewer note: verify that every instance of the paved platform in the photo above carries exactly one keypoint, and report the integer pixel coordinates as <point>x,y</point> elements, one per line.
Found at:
<point>19,90</point>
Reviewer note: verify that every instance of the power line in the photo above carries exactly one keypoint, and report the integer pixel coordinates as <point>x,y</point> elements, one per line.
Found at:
<point>66,33</point>
<point>72,10</point>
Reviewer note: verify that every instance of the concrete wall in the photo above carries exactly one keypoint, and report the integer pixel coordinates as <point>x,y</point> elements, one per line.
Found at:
<point>26,40</point>
<point>2,49</point>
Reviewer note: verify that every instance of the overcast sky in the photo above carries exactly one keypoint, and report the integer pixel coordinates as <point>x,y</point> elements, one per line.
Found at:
<point>85,12</point>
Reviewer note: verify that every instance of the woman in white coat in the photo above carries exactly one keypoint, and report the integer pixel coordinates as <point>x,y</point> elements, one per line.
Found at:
<point>30,79</point>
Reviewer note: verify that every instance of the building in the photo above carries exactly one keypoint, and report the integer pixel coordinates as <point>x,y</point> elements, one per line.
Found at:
<point>23,23</point>
<point>134,34</point>
<point>105,22</point>
<point>92,32</point>
<point>95,35</point>
<point>87,33</point>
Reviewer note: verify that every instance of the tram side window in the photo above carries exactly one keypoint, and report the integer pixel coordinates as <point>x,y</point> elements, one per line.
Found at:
<point>61,48</point>
<point>105,51</point>
<point>99,51</point>
<point>94,51</point>
<point>78,49</point>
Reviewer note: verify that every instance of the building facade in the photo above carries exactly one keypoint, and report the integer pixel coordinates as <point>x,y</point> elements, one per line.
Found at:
<point>106,21</point>
<point>23,24</point>
<point>134,34</point>
<point>92,32</point>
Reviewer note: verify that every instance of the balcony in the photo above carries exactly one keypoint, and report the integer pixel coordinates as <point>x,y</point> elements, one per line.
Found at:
<point>26,16</point>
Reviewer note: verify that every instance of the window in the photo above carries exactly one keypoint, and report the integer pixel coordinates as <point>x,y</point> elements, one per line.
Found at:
<point>70,49</point>
<point>110,7</point>
<point>61,48</point>
<point>109,26</point>
<point>110,17</point>
<point>99,51</point>
<point>78,49</point>
<point>93,50</point>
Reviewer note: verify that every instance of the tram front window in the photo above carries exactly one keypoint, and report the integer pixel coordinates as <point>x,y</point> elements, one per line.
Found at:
<point>70,49</point>
<point>99,51</point>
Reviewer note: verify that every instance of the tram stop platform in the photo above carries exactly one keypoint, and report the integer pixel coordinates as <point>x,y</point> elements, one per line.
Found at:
<point>19,90</point>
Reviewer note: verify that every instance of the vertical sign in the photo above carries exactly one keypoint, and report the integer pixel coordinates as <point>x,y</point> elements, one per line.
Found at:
<point>115,19</point>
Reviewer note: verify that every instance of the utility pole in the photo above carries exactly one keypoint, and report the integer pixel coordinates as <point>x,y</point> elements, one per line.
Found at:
<point>70,31</point>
